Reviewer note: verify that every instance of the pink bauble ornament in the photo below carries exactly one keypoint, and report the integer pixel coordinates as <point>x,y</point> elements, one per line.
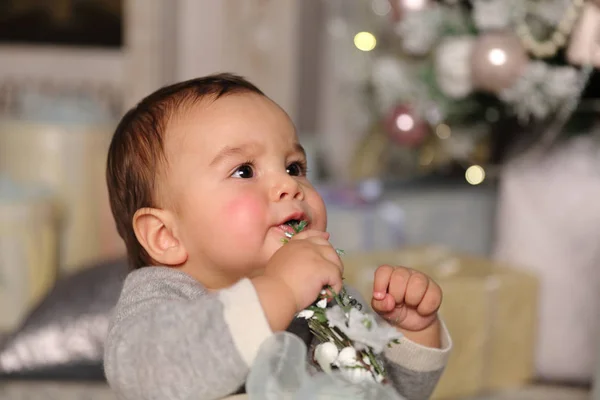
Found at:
<point>405,127</point>
<point>497,61</point>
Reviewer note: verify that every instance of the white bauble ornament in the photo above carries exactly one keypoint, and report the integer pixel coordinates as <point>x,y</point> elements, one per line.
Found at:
<point>325,355</point>
<point>453,66</point>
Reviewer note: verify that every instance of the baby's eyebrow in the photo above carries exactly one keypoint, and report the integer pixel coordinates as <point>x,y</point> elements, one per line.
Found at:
<point>298,147</point>
<point>230,151</point>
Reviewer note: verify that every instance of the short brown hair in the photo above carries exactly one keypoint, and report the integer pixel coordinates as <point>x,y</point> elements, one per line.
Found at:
<point>136,150</point>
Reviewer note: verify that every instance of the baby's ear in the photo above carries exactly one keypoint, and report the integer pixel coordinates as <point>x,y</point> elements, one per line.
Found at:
<point>154,230</point>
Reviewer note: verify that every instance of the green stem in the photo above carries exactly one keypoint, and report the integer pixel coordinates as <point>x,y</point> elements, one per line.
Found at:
<point>322,333</point>
<point>337,298</point>
<point>374,362</point>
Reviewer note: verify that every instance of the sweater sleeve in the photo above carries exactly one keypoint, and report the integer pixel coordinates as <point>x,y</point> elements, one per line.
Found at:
<point>415,369</point>
<point>170,339</point>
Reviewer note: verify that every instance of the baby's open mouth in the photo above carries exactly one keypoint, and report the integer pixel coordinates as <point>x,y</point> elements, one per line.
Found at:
<point>294,223</point>
<point>293,226</point>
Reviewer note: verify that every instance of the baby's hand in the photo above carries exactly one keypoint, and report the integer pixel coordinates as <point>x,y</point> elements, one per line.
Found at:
<point>306,264</point>
<point>408,299</point>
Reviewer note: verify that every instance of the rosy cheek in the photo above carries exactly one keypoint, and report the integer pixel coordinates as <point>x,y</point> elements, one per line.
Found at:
<point>318,206</point>
<point>244,213</point>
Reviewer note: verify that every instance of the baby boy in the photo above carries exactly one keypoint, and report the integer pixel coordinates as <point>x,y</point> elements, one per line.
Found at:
<point>205,178</point>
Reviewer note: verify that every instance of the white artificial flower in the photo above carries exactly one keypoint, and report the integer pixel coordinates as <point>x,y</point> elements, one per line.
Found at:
<point>325,355</point>
<point>362,329</point>
<point>492,14</point>
<point>322,303</point>
<point>453,66</point>
<point>306,314</point>
<point>357,375</point>
<point>347,357</point>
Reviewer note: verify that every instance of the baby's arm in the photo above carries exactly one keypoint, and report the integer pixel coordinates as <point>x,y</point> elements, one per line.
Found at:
<point>416,369</point>
<point>172,341</point>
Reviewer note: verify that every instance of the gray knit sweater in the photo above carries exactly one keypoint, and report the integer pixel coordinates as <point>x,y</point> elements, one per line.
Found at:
<point>172,339</point>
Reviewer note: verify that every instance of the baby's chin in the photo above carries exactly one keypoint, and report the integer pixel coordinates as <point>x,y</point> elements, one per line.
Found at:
<point>256,272</point>
<point>268,252</point>
<point>273,243</point>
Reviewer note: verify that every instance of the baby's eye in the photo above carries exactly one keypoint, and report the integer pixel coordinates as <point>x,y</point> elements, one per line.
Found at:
<point>296,169</point>
<point>244,171</point>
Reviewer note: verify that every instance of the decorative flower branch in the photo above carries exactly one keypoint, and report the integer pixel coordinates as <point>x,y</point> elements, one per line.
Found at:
<point>350,339</point>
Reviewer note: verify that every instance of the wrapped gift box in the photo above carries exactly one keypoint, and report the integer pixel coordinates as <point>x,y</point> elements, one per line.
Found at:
<point>359,220</point>
<point>28,249</point>
<point>490,310</point>
<point>375,215</point>
<point>70,159</point>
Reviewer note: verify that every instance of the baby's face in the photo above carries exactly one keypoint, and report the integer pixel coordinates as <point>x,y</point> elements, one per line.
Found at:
<point>236,174</point>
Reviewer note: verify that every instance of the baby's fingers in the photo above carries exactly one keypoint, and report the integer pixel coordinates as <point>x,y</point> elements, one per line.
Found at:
<point>311,233</point>
<point>383,306</point>
<point>328,253</point>
<point>381,281</point>
<point>333,278</point>
<point>431,301</point>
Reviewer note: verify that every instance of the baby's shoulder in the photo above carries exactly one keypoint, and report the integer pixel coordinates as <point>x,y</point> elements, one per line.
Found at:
<point>151,289</point>
<point>162,282</point>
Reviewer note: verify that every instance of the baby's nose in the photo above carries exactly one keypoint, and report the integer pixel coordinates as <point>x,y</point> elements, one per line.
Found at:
<point>286,188</point>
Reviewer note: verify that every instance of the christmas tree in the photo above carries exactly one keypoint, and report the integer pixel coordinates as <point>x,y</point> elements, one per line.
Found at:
<point>447,85</point>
